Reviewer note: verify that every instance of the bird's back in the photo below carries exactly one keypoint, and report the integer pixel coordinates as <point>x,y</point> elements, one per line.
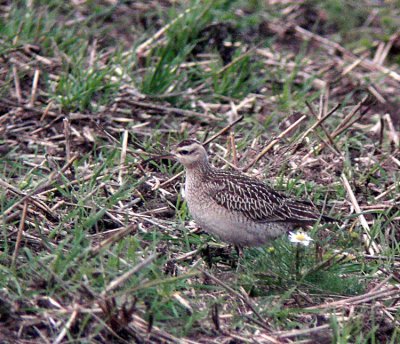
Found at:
<point>257,201</point>
<point>242,210</point>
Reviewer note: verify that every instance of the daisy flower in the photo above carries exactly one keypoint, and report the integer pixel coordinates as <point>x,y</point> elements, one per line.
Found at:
<point>300,237</point>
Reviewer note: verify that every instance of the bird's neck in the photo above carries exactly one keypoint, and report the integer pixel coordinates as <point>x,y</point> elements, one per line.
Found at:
<point>198,170</point>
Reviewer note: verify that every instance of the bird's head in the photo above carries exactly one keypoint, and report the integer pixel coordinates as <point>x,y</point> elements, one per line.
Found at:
<point>190,153</point>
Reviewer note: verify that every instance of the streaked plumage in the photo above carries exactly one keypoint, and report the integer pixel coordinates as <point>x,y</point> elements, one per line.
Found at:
<point>236,208</point>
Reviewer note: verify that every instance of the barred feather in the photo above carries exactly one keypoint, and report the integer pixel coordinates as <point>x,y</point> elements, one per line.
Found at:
<point>257,201</point>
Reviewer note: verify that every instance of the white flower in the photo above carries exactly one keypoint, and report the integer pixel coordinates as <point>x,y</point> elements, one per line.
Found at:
<point>300,237</point>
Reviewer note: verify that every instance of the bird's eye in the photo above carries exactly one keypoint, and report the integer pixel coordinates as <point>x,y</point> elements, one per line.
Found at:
<point>184,152</point>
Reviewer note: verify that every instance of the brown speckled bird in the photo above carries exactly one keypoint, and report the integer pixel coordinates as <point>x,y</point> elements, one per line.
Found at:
<point>236,208</point>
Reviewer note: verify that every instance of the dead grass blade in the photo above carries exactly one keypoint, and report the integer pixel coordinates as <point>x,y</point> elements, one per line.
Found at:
<point>274,142</point>
<point>369,242</point>
<point>118,281</point>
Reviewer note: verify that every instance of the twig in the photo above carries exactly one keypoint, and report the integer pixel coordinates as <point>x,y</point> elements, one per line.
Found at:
<point>112,239</point>
<point>393,290</point>
<point>19,235</point>
<point>122,167</point>
<point>116,282</point>
<point>365,63</point>
<point>68,325</point>
<point>157,334</point>
<point>319,123</point>
<point>140,50</point>
<point>301,332</point>
<point>381,284</point>
<point>345,123</point>
<point>92,55</point>
<point>228,163</point>
<point>17,84</point>
<point>394,136</point>
<point>387,47</point>
<point>67,134</point>
<point>38,203</point>
<point>273,142</point>
<point>164,108</point>
<point>370,244</point>
<point>34,87</point>
<point>222,131</point>
<point>236,60</point>
<point>348,69</point>
<point>240,295</point>
<point>387,191</point>
<point>176,176</point>
<point>48,125</point>
<point>40,187</point>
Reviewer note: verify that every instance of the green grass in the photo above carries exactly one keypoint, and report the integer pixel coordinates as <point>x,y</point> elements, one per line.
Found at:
<point>87,225</point>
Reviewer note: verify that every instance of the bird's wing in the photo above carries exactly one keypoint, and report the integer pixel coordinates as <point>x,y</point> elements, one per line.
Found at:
<point>258,202</point>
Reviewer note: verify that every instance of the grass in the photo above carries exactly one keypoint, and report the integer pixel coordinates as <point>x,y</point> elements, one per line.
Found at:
<point>96,242</point>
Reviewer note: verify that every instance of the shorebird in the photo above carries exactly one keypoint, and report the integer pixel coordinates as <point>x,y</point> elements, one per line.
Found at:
<point>236,208</point>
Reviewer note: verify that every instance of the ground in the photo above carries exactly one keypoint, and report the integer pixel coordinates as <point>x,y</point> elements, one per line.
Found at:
<point>96,243</point>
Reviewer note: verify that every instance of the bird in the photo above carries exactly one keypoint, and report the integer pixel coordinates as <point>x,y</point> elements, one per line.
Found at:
<point>236,208</point>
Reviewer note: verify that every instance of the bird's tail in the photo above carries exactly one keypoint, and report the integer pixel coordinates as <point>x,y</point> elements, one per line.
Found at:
<point>306,213</point>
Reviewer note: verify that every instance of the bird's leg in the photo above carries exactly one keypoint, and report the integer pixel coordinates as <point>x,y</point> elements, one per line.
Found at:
<point>236,263</point>
<point>239,251</point>
<point>207,255</point>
